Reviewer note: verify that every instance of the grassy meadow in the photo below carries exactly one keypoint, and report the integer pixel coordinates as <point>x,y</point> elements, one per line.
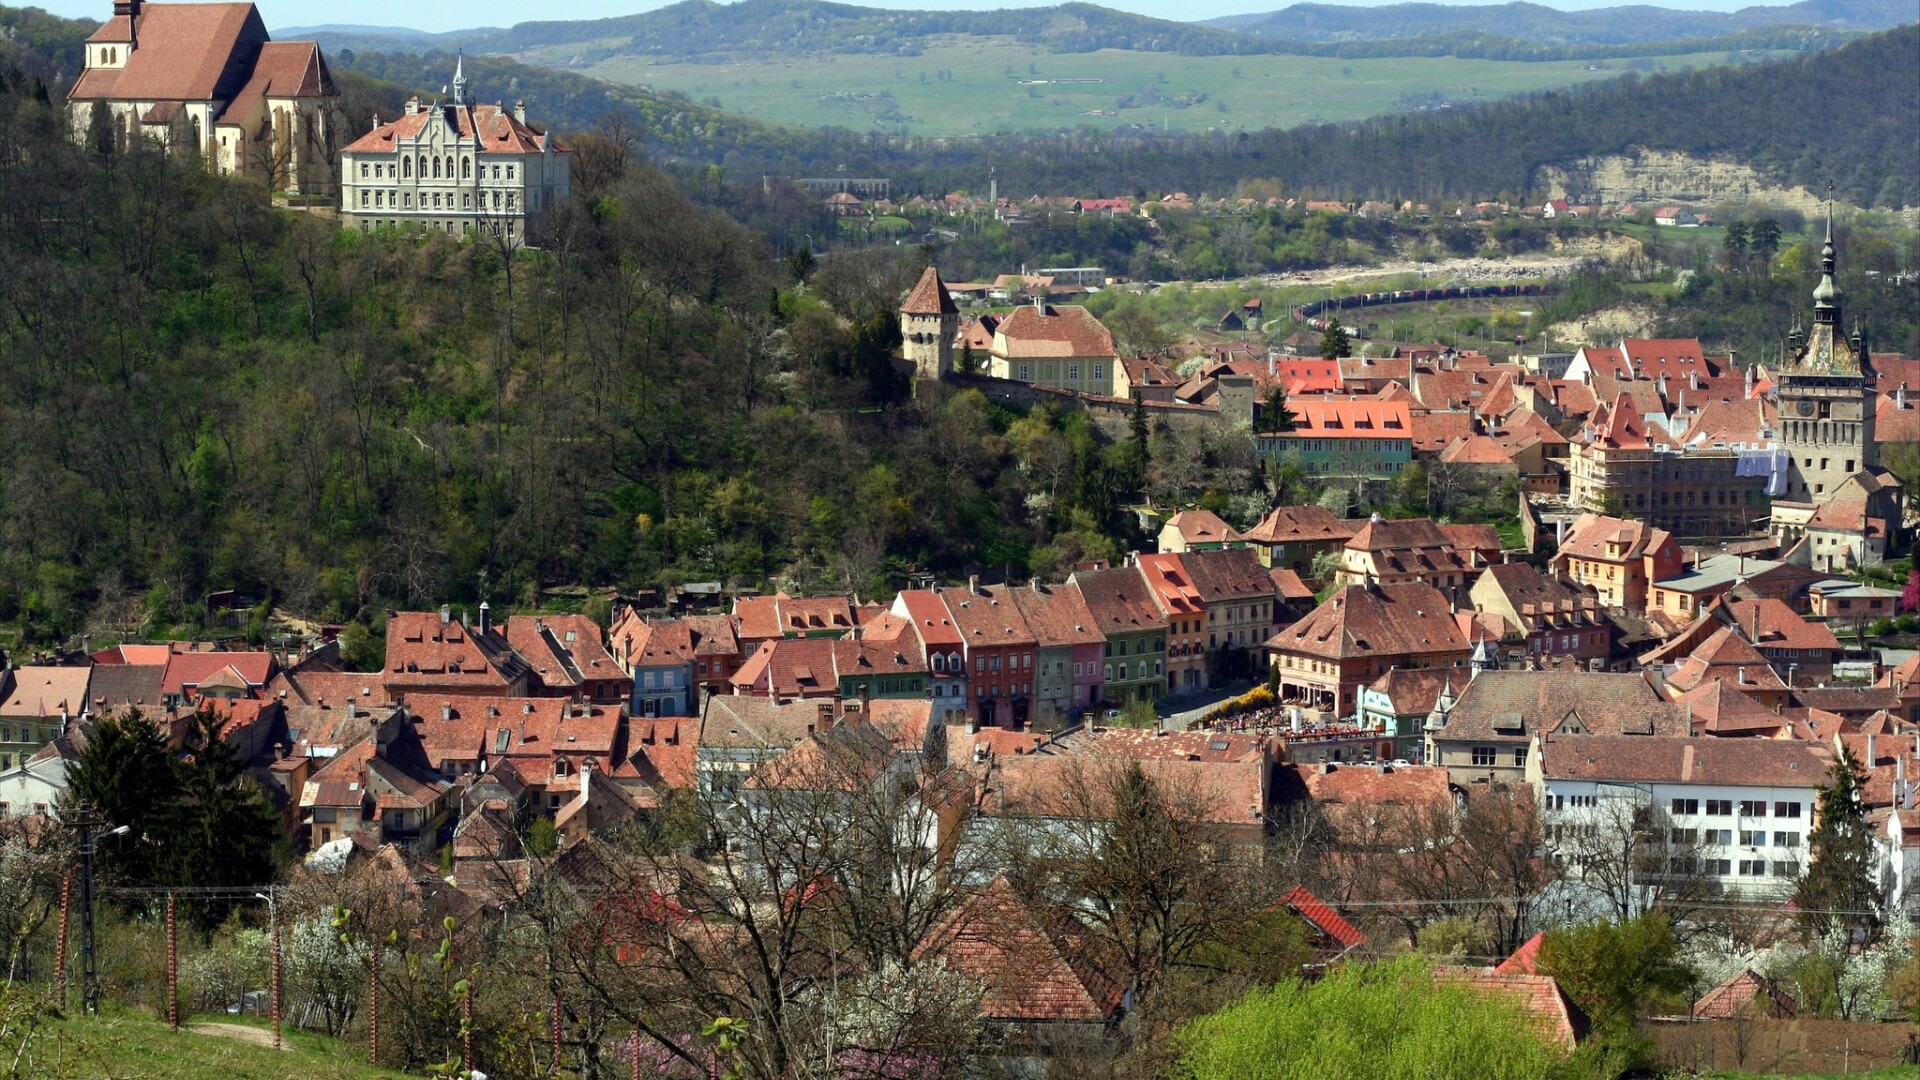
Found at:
<point>974,86</point>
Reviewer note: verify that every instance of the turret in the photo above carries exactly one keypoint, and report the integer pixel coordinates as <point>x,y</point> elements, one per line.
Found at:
<point>928,321</point>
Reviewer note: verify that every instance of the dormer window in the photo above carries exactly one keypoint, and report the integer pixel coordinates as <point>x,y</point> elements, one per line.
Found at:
<point>561,767</point>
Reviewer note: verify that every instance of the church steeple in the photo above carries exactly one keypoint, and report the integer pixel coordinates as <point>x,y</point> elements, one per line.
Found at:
<point>1826,295</point>
<point>459,78</point>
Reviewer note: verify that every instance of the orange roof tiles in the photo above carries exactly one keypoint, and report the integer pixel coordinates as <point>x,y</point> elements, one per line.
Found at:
<point>1363,419</point>
<point>182,52</point>
<point>1407,619</point>
<point>1323,918</point>
<point>1036,966</point>
<point>488,128</point>
<point>1041,331</point>
<point>929,296</point>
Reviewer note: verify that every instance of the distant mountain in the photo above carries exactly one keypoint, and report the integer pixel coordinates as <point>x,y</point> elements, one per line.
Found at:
<point>1637,24</point>
<point>705,31</point>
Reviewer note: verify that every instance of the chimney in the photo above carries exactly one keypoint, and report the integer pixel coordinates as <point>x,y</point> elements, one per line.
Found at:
<point>520,110</point>
<point>486,618</point>
<point>1742,674</point>
<point>413,105</point>
<point>824,712</point>
<point>1870,747</point>
<point>973,584</point>
<point>446,614</point>
<point>973,724</point>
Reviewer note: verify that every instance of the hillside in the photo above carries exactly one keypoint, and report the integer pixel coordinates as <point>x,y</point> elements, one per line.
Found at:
<point>702,31</point>
<point>1544,25</point>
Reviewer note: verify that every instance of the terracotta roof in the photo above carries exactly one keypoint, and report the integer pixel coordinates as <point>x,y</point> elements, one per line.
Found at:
<point>865,657</point>
<point>1228,576</point>
<point>932,623</point>
<point>987,618</point>
<point>1718,707</point>
<point>1120,599</point>
<point>1288,586</point>
<point>1057,615</point>
<point>1300,524</point>
<point>1202,527</point>
<point>660,751</point>
<point>1406,619</point>
<point>1727,656</point>
<point>424,650</point>
<point>1040,331</point>
<point>1230,792</point>
<point>780,614</point>
<point>739,720</point>
<point>1539,996</point>
<point>1515,705</point>
<point>1036,966</point>
<point>183,52</point>
<point>1525,959</point>
<point>1413,691</point>
<point>1406,533</point>
<point>1362,419</point>
<point>1662,759</point>
<point>1323,918</point>
<point>113,686</point>
<point>1892,423</point>
<point>1591,533</point>
<point>283,69</point>
<point>1778,625</point>
<point>929,296</point>
<point>39,690</point>
<point>489,129</point>
<point>187,670</point>
<point>1433,432</point>
<point>563,650</point>
<point>1365,787</point>
<point>1747,991</point>
<point>1475,450</point>
<point>789,668</point>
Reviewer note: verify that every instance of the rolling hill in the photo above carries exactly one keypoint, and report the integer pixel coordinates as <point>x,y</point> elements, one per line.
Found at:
<point>1639,24</point>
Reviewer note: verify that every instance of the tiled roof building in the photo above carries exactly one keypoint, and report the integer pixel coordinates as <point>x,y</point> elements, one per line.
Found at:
<point>1062,346</point>
<point>207,77</point>
<point>1359,634</point>
<point>454,167</point>
<point>1486,732</point>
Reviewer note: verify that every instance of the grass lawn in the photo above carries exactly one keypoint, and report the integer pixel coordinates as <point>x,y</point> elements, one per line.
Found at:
<point>964,85</point>
<point>130,1045</point>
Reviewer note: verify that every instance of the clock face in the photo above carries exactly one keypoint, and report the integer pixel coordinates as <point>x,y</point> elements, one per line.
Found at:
<point>1806,408</point>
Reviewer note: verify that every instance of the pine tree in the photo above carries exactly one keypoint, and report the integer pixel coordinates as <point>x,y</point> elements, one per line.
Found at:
<point>124,775</point>
<point>1276,416</point>
<point>1840,883</point>
<point>1141,455</point>
<point>1335,343</point>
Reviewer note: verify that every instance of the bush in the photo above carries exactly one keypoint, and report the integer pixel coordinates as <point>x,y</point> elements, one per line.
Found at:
<point>1363,1021</point>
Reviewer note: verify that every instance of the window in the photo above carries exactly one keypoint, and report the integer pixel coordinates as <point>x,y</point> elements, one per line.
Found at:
<point>1484,755</point>
<point>363,199</point>
<point>979,663</point>
<point>1787,868</point>
<point>1107,673</point>
<point>1723,837</point>
<point>1683,836</point>
<point>1753,868</point>
<point>1753,838</point>
<point>1073,372</point>
<point>1099,372</point>
<point>509,172</point>
<point>1519,757</point>
<point>1719,807</point>
<point>1026,661</point>
<point>1786,839</point>
<point>363,170</point>
<point>466,167</point>
<point>1753,808</point>
<point>380,199</point>
<point>1685,806</point>
<point>1022,375</point>
<point>1786,809</point>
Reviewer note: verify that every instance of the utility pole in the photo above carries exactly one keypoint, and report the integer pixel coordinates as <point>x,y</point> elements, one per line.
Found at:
<point>85,821</point>
<point>273,918</point>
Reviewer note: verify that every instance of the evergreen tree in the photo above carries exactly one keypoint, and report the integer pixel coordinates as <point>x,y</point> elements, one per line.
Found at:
<point>223,829</point>
<point>1735,245</point>
<point>1335,343</point>
<point>124,775</point>
<point>1763,240</point>
<point>1141,453</point>
<point>1840,883</point>
<point>1276,415</point>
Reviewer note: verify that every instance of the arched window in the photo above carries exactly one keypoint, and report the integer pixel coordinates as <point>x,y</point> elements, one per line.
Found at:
<point>406,167</point>
<point>449,166</point>
<point>466,167</point>
<point>423,167</point>
<point>436,168</point>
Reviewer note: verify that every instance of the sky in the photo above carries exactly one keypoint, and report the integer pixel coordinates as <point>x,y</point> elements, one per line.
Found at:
<point>442,15</point>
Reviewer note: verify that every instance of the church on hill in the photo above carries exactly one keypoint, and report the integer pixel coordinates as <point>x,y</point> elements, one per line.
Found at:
<point>206,78</point>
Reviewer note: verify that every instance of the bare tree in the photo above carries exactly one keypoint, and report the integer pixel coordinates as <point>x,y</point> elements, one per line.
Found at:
<point>1628,859</point>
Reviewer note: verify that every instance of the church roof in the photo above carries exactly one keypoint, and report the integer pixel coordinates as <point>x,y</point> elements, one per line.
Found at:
<point>178,52</point>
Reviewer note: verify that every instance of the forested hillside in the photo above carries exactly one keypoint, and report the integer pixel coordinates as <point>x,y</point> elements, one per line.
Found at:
<point>1550,26</point>
<point>198,392</point>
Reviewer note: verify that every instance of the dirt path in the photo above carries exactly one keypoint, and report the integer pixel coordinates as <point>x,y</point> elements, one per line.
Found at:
<point>242,1032</point>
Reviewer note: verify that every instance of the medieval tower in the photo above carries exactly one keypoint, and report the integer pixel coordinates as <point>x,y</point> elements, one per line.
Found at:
<point>928,321</point>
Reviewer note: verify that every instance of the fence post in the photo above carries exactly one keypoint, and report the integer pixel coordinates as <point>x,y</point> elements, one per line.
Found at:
<point>373,1005</point>
<point>60,943</point>
<point>466,1026</point>
<point>173,970</point>
<point>554,1026</point>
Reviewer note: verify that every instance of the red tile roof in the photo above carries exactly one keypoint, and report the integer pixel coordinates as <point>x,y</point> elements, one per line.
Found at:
<point>1036,966</point>
<point>1539,996</point>
<point>987,619</point>
<point>1202,527</point>
<point>1041,331</point>
<point>1301,524</point>
<point>1683,760</point>
<point>1323,918</point>
<point>186,671</point>
<point>929,296</point>
<point>488,128</point>
<point>182,52</point>
<point>1525,959</point>
<point>1406,619</point>
<point>1363,419</point>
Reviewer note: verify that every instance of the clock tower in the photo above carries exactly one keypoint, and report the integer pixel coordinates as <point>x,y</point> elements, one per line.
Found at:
<point>1826,398</point>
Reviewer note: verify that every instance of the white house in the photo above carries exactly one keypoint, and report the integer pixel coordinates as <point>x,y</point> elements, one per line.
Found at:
<point>1900,847</point>
<point>1737,810</point>
<point>36,785</point>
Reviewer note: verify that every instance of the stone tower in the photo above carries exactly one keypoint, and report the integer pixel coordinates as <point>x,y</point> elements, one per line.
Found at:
<point>928,321</point>
<point>1826,397</point>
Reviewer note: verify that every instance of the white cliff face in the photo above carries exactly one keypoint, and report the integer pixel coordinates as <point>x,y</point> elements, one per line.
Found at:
<point>1658,176</point>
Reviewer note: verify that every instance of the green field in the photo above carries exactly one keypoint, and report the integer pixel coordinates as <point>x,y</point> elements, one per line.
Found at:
<point>130,1045</point>
<point>973,86</point>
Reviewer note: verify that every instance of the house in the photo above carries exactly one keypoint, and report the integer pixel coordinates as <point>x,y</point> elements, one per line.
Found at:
<point>435,653</point>
<point>929,322</point>
<point>659,660</point>
<point>1062,346</point>
<point>1540,997</point>
<point>1238,596</point>
<point>454,166</point>
<point>1414,549</point>
<point>738,732</point>
<point>1726,657</point>
<point>1359,802</point>
<point>207,79</point>
<point>1359,634</point>
<point>872,668</point>
<point>998,649</point>
<point>1557,208</point>
<point>37,703</point>
<point>35,785</point>
<point>381,789</point>
<point>939,639</point>
<point>1291,537</point>
<point>1555,619</point>
<point>1354,438</point>
<point>1672,216</point>
<point>1684,595</point>
<point>1398,703</point>
<point>1041,968</point>
<point>1069,650</point>
<point>1331,937</point>
<point>1619,559</point>
<point>789,669</point>
<point>1849,601</point>
<point>1196,530</point>
<point>1737,811</point>
<point>1173,589</point>
<point>1485,735</point>
<point>1134,629</point>
<point>568,657</point>
<point>766,618</point>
